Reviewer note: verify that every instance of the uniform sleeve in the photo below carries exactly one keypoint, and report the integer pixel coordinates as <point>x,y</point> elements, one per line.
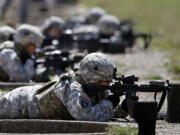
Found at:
<point>81,109</point>
<point>10,64</point>
<point>29,68</point>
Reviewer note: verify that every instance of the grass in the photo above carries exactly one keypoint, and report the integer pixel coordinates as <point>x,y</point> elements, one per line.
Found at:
<point>157,16</point>
<point>1,23</point>
<point>160,17</point>
<point>2,91</point>
<point>175,68</point>
<point>154,77</point>
<point>119,130</point>
<point>119,65</point>
<point>119,74</point>
<point>174,65</point>
<point>175,77</point>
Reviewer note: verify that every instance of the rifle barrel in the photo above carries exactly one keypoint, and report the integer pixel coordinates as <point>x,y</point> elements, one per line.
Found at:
<point>121,88</point>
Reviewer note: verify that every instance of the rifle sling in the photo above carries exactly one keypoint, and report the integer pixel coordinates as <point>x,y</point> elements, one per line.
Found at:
<point>161,101</point>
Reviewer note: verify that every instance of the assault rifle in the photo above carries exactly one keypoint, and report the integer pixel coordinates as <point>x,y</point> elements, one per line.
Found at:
<point>125,38</point>
<point>129,35</point>
<point>58,61</point>
<point>64,41</point>
<point>144,113</point>
<point>126,86</point>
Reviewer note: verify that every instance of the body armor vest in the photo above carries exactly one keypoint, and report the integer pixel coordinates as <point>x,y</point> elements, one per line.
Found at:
<point>49,104</point>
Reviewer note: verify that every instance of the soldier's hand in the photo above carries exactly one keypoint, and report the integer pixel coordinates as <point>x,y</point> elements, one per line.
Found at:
<point>122,111</point>
<point>124,105</point>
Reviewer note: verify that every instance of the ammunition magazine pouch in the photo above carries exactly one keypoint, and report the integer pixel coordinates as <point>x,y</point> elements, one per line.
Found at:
<point>49,104</point>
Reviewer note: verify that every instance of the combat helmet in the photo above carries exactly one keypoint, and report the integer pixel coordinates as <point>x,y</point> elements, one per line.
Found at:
<point>51,22</point>
<point>78,19</point>
<point>6,33</point>
<point>94,15</point>
<point>108,24</point>
<point>96,67</point>
<point>27,34</point>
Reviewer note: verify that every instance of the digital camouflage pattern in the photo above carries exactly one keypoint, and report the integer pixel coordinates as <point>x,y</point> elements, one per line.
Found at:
<point>28,34</point>
<point>85,29</point>
<point>11,65</point>
<point>96,67</point>
<point>15,66</point>
<point>53,21</point>
<point>6,33</point>
<point>79,19</point>
<point>108,24</point>
<point>23,102</point>
<point>49,104</point>
<point>80,105</point>
<point>64,97</point>
<point>19,103</point>
<point>94,15</point>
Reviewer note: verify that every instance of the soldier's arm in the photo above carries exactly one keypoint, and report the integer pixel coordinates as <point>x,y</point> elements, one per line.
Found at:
<point>103,111</point>
<point>11,65</point>
<point>81,109</point>
<point>29,68</point>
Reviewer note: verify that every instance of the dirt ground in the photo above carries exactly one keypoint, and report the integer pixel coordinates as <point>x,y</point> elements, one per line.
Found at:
<point>162,127</point>
<point>146,65</point>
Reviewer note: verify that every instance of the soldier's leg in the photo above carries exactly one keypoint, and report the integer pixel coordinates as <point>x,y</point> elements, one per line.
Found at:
<point>23,10</point>
<point>4,6</point>
<point>5,106</point>
<point>19,103</point>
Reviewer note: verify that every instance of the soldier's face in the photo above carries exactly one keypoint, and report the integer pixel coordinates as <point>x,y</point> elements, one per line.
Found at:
<point>31,48</point>
<point>105,83</point>
<point>54,32</point>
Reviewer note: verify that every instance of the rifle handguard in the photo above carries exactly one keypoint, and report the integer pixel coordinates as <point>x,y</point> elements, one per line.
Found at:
<point>160,83</point>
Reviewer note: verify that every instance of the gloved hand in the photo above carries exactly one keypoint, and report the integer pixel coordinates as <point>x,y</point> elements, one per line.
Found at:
<point>114,99</point>
<point>122,111</point>
<point>124,105</point>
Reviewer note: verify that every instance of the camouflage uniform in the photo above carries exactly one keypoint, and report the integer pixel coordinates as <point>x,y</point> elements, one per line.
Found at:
<point>22,102</point>
<point>85,30</point>
<point>13,67</point>
<point>94,15</point>
<point>19,103</point>
<point>108,24</point>
<point>15,63</point>
<point>6,33</point>
<point>74,22</point>
<point>50,22</point>
<point>62,40</point>
<point>63,99</point>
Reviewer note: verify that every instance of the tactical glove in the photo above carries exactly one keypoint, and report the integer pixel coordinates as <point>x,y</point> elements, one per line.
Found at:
<point>114,99</point>
<point>124,105</point>
<point>122,111</point>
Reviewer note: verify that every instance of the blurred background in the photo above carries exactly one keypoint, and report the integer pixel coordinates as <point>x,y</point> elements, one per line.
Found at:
<point>159,17</point>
